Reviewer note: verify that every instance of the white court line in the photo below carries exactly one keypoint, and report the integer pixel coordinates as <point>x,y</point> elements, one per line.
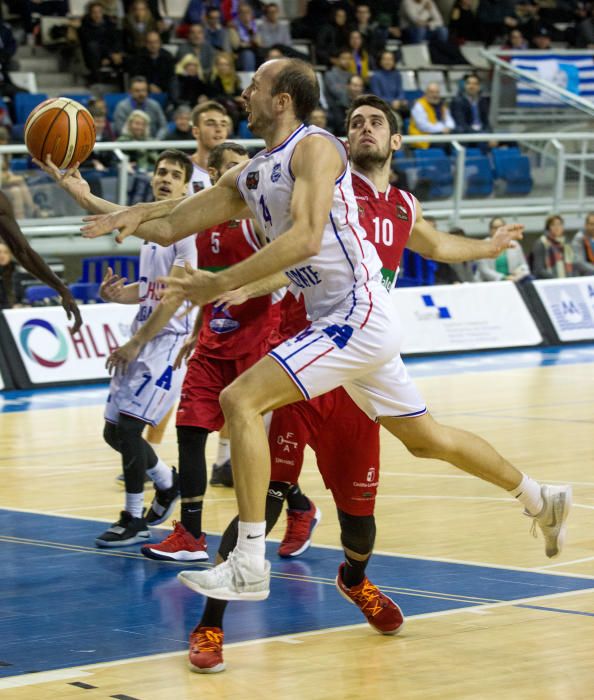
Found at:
<point>295,637</point>
<point>470,476</point>
<point>43,677</point>
<point>567,563</point>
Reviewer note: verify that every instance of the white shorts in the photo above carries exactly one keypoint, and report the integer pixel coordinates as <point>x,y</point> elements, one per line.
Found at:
<point>356,346</point>
<point>150,386</point>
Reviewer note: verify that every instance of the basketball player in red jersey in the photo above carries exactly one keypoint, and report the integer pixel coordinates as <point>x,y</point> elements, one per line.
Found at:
<point>227,342</point>
<point>344,439</point>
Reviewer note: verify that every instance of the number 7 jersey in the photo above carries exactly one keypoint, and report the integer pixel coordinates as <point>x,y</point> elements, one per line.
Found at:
<point>346,261</point>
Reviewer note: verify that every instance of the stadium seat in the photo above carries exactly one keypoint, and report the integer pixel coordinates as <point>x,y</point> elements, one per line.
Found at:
<point>111,100</point>
<point>86,292</point>
<point>94,269</point>
<point>245,77</point>
<point>161,98</point>
<point>514,170</point>
<point>435,169</point>
<point>37,292</point>
<point>25,102</point>
<point>415,55</point>
<point>243,130</point>
<point>83,98</point>
<point>19,164</point>
<point>424,77</point>
<point>502,154</point>
<point>478,176</point>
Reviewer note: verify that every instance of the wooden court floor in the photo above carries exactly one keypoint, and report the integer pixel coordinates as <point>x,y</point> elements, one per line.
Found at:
<point>53,461</point>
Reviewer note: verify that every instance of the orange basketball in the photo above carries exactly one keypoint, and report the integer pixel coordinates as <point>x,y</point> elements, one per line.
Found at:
<point>62,128</point>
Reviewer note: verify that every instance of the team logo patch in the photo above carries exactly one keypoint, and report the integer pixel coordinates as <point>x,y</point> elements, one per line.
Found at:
<point>252,180</point>
<point>276,173</point>
<point>401,212</point>
<point>197,186</point>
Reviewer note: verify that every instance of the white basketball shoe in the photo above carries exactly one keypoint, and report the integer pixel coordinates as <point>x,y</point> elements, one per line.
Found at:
<point>552,519</point>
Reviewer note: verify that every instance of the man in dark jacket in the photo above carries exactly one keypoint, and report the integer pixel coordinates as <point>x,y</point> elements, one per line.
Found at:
<point>155,63</point>
<point>470,109</point>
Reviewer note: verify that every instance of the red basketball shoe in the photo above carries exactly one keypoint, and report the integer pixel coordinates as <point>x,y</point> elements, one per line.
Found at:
<point>206,650</point>
<point>180,545</point>
<point>381,612</point>
<point>300,527</point>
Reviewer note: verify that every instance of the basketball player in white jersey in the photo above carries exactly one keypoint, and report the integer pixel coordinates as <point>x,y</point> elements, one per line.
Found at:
<point>210,127</point>
<point>145,385</point>
<point>300,192</point>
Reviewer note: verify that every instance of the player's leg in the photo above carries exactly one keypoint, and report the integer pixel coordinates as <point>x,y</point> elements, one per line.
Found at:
<point>154,433</point>
<point>290,430</point>
<point>221,474</point>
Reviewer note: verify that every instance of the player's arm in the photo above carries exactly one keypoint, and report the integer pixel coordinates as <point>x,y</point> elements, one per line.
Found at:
<point>19,246</point>
<point>259,288</point>
<point>310,208</point>
<point>189,344</point>
<point>444,247</point>
<point>168,221</point>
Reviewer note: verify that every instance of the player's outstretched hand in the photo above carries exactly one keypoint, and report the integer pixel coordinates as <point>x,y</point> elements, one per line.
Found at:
<point>126,221</point>
<point>235,297</point>
<point>120,359</point>
<point>505,237</point>
<point>112,286</point>
<point>69,180</point>
<point>185,352</point>
<point>197,286</point>
<point>72,310</point>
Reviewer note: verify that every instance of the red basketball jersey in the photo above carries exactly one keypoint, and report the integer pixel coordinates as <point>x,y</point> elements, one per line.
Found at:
<point>388,218</point>
<point>236,331</point>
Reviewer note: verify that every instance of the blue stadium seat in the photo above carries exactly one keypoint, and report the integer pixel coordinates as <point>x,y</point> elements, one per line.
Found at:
<point>83,98</point>
<point>502,154</point>
<point>86,292</point>
<point>37,292</point>
<point>243,130</point>
<point>435,167</point>
<point>161,98</point>
<point>25,103</point>
<point>415,271</point>
<point>111,100</point>
<point>94,269</point>
<point>478,176</point>
<point>19,164</point>
<point>515,172</point>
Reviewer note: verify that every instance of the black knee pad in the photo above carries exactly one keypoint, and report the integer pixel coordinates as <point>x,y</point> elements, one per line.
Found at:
<point>110,435</point>
<point>129,428</point>
<point>357,532</point>
<point>191,444</point>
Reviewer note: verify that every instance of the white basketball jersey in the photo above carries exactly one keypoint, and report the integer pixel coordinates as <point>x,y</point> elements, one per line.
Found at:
<point>156,261</point>
<point>199,181</point>
<point>346,260</point>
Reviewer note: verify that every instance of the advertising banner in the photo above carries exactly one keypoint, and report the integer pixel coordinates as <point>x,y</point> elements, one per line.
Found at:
<point>569,304</point>
<point>51,354</point>
<point>464,317</point>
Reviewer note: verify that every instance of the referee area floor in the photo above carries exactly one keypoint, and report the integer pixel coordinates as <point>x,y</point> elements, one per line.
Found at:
<point>488,616</point>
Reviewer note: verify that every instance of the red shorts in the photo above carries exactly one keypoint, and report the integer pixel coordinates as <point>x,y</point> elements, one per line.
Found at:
<point>344,439</point>
<point>205,378</point>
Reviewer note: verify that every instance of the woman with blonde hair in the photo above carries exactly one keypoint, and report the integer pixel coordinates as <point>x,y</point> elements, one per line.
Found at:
<point>189,85</point>
<point>138,128</point>
<point>225,86</point>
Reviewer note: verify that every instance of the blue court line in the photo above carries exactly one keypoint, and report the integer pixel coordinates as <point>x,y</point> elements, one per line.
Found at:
<point>76,605</point>
<point>430,366</point>
<point>558,610</point>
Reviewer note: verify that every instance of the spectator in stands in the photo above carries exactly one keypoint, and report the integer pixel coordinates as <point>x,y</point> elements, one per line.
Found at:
<point>142,161</point>
<point>455,273</point>
<point>8,89</point>
<point>541,39</point>
<point>470,109</point>
<point>11,290</point>
<point>583,248</point>
<point>8,45</point>
<point>319,117</point>
<point>462,25</point>
<point>422,21</point>
<point>510,265</point>
<point>138,99</point>
<point>137,24</point>
<point>15,186</point>
<point>495,18</point>
<point>332,37</point>
<point>386,82</point>
<point>355,87</point>
<point>245,39</point>
<point>584,33</point>
<point>155,63</point>
<point>359,64</point>
<point>374,35</point>
<point>101,45</point>
<point>552,256</point>
<point>335,85</point>
<point>515,40</point>
<point>199,47</point>
<point>273,32</point>
<point>196,11</point>
<point>182,125</point>
<point>101,160</point>
<point>225,87</point>
<point>114,10</point>
<point>216,35</point>
<point>430,115</point>
<point>189,85</point>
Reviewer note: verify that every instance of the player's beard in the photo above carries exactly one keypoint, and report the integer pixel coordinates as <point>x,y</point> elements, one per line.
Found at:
<point>370,159</point>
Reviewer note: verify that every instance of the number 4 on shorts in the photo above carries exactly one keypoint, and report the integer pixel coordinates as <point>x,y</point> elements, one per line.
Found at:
<point>340,335</point>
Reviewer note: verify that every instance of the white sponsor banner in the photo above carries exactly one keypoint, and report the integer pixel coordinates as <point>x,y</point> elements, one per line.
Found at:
<point>569,304</point>
<point>464,317</point>
<point>51,353</point>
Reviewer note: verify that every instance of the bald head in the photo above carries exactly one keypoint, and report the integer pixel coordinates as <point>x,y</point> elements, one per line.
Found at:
<point>433,93</point>
<point>298,79</point>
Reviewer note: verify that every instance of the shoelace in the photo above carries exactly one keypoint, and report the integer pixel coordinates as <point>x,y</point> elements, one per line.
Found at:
<point>209,640</point>
<point>369,598</point>
<point>176,536</point>
<point>297,526</point>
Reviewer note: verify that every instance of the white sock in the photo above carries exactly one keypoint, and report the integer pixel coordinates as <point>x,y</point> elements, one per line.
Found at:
<point>251,540</point>
<point>161,475</point>
<point>134,504</point>
<point>223,451</point>
<point>528,493</point>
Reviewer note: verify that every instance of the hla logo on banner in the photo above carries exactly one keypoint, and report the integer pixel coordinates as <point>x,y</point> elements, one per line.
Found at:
<point>39,348</point>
